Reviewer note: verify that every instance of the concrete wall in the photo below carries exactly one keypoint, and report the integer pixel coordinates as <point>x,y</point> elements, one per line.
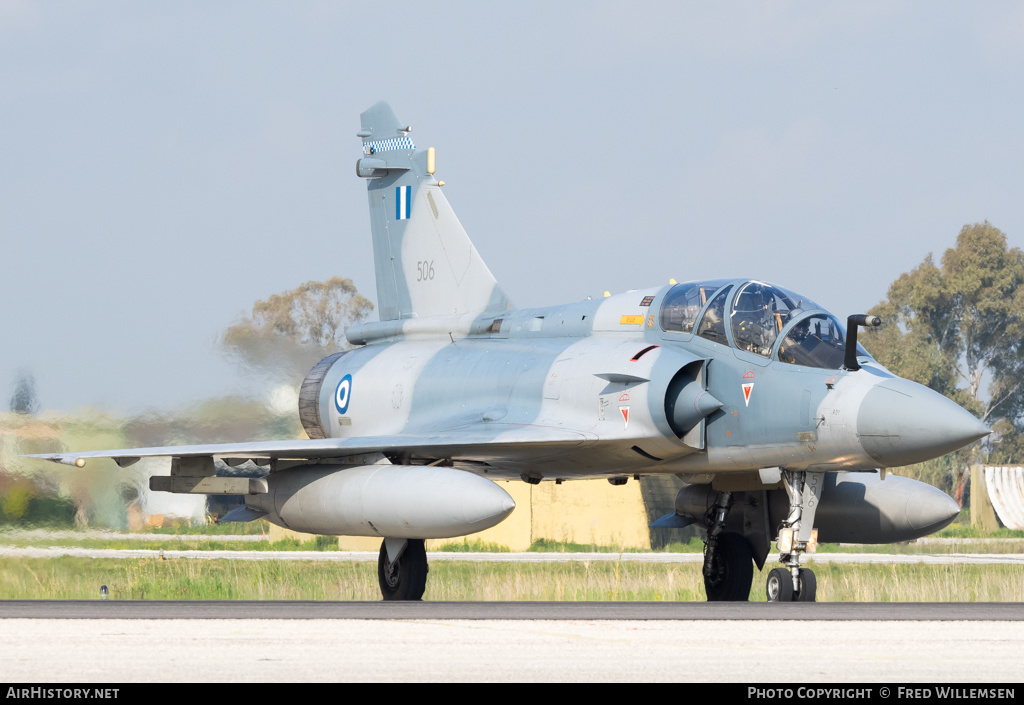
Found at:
<point>982,514</point>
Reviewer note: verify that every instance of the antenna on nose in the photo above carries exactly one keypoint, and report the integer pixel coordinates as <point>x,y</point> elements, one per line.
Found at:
<point>852,322</point>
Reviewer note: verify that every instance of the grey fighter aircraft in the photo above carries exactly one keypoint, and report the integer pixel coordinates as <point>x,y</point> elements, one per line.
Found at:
<point>758,397</point>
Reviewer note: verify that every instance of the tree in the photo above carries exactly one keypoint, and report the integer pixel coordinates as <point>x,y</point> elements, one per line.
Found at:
<point>24,400</point>
<point>289,332</point>
<point>957,328</point>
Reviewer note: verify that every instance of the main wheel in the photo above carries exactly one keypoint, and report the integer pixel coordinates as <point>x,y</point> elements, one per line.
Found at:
<point>732,570</point>
<point>406,578</point>
<point>779,586</point>
<point>808,586</point>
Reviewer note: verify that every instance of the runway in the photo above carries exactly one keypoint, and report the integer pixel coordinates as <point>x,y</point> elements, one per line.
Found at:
<point>482,611</point>
<point>252,642</point>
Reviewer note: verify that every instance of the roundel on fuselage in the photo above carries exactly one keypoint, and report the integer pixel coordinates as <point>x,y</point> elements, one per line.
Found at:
<point>343,394</point>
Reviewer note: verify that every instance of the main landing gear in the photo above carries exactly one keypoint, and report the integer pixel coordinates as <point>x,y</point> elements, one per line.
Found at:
<point>796,536</point>
<point>402,569</point>
<point>729,555</point>
<point>728,560</point>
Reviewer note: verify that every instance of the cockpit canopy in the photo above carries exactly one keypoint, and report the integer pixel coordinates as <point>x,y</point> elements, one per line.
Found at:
<point>758,318</point>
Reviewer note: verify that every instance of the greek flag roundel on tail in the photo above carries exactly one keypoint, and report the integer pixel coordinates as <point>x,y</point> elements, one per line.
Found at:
<point>403,202</point>
<point>424,261</point>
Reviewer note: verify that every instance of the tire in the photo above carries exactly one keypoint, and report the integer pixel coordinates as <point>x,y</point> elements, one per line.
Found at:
<point>779,586</point>
<point>406,578</point>
<point>808,586</point>
<point>732,573</point>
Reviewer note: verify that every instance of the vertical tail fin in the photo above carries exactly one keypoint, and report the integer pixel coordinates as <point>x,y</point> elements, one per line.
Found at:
<point>425,263</point>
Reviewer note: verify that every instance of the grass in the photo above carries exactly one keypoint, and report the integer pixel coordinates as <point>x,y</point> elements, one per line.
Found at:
<point>200,579</point>
<point>237,528</point>
<point>956,538</point>
<point>474,546</point>
<point>964,540</point>
<point>318,543</point>
<point>959,546</point>
<point>549,546</point>
<point>966,531</point>
<point>919,583</point>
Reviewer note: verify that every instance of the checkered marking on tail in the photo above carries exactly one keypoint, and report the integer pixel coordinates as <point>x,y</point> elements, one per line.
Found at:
<point>387,145</point>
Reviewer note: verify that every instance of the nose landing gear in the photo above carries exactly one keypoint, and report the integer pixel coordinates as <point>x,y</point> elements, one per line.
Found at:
<point>796,536</point>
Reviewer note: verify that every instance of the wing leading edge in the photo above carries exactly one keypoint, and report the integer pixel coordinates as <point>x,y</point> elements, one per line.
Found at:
<point>471,443</point>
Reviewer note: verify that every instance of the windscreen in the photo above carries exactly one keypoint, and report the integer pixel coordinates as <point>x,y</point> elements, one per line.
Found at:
<point>818,341</point>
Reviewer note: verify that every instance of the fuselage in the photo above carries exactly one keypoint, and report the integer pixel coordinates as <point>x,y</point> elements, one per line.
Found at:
<point>617,372</point>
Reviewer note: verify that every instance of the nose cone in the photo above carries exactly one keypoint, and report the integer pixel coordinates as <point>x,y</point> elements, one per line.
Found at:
<point>901,422</point>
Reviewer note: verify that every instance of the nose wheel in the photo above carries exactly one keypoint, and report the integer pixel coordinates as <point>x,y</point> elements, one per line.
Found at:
<point>781,587</point>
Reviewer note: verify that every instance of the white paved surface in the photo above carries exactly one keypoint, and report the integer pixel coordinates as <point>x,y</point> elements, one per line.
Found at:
<point>105,651</point>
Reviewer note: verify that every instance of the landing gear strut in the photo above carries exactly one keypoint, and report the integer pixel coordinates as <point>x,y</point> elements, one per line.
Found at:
<point>402,569</point>
<point>728,560</point>
<point>796,536</point>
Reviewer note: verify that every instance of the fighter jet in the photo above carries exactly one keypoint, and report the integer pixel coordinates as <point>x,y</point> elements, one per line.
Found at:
<point>761,400</point>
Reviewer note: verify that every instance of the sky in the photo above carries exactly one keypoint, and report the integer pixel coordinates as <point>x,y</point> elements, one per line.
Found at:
<point>163,165</point>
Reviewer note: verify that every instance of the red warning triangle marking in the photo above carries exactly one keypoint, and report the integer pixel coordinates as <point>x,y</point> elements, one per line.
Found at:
<point>747,389</point>
<point>624,410</point>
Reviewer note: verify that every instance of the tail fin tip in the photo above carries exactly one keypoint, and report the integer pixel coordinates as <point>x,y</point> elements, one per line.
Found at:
<point>381,123</point>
